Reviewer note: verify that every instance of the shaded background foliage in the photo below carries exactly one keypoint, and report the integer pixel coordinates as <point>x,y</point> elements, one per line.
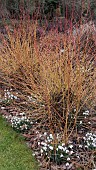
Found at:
<point>48,8</point>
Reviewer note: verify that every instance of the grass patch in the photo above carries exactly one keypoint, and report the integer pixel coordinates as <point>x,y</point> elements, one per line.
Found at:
<point>14,154</point>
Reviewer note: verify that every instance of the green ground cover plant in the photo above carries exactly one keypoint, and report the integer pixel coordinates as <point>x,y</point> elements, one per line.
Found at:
<point>14,154</point>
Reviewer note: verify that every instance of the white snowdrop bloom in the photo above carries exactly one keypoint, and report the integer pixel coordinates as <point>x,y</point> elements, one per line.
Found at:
<point>74,110</point>
<point>88,143</point>
<point>80,146</point>
<point>22,113</point>
<point>61,156</point>
<point>26,126</point>
<point>45,133</point>
<point>11,121</point>
<point>84,138</point>
<point>68,159</point>
<point>94,144</point>
<point>43,143</point>
<point>49,140</point>
<point>51,136</point>
<point>2,108</point>
<point>80,122</point>
<point>45,148</point>
<point>51,147</point>
<point>64,148</point>
<point>61,51</point>
<point>56,149</point>
<point>71,146</point>
<point>38,143</point>
<point>71,152</point>
<point>41,150</point>
<point>8,92</point>
<point>67,164</point>
<point>78,156</point>
<point>60,147</point>
<point>87,134</point>
<point>86,113</point>
<point>12,95</point>
<point>63,144</point>
<point>86,146</point>
<point>23,118</point>
<point>91,138</point>
<point>15,97</point>
<point>39,135</point>
<point>67,151</point>
<point>33,154</point>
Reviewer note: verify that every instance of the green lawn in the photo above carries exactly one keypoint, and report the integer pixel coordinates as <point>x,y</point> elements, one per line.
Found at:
<point>14,153</point>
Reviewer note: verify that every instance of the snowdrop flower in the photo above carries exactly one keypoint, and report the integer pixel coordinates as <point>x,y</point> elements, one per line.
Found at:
<point>51,147</point>
<point>61,51</point>
<point>45,133</point>
<point>80,122</point>
<point>64,148</point>
<point>78,156</point>
<point>2,108</point>
<point>67,164</point>
<point>38,143</point>
<point>60,147</point>
<point>39,135</point>
<point>41,150</point>
<point>71,152</point>
<point>68,159</point>
<point>88,143</point>
<point>71,146</point>
<point>22,118</point>
<point>43,143</point>
<point>63,144</point>
<point>45,148</point>
<point>67,151</point>
<point>80,146</point>
<point>22,113</point>
<point>61,156</point>
<point>86,146</point>
<point>57,135</point>
<point>51,136</point>
<point>86,113</point>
